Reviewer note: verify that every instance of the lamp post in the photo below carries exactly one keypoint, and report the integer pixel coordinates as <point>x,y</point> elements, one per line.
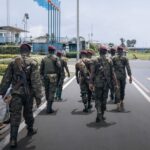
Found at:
<point>78,40</point>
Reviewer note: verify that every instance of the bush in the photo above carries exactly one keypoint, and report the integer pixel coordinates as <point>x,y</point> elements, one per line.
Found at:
<point>3,68</point>
<point>9,49</point>
<point>2,56</point>
<point>71,54</point>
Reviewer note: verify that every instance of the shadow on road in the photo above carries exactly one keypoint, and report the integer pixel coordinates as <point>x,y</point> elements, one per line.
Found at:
<point>26,141</point>
<point>44,112</point>
<point>75,112</point>
<point>115,111</point>
<point>102,124</point>
<point>61,101</point>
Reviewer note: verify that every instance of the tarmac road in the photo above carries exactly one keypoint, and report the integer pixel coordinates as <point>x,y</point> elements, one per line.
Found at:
<point>71,129</point>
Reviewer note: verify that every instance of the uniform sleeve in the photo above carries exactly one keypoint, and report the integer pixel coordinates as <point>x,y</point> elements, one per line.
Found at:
<point>7,79</point>
<point>36,81</point>
<point>66,67</point>
<point>92,69</point>
<point>128,67</point>
<point>42,68</point>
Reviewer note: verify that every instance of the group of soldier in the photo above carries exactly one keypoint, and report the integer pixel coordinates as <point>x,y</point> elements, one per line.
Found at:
<point>97,76</point>
<point>25,79</point>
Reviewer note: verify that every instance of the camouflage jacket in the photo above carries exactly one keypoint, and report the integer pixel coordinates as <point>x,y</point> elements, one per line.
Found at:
<point>102,72</point>
<point>121,64</point>
<point>49,65</point>
<point>13,76</point>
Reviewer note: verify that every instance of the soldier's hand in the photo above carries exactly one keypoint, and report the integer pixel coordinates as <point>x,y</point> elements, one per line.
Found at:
<point>7,99</point>
<point>130,79</point>
<point>91,87</point>
<point>77,80</point>
<point>38,102</point>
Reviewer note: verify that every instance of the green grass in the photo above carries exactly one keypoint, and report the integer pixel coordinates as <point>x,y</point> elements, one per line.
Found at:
<point>138,55</point>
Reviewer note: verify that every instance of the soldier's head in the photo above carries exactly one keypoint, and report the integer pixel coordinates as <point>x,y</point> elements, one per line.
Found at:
<point>120,50</point>
<point>112,51</point>
<point>51,49</point>
<point>59,54</point>
<point>89,53</point>
<point>103,50</point>
<point>25,49</point>
<point>83,54</point>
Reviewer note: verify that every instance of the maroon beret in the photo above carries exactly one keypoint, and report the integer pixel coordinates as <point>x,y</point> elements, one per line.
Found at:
<point>103,48</point>
<point>59,53</point>
<point>25,48</point>
<point>51,48</point>
<point>120,48</point>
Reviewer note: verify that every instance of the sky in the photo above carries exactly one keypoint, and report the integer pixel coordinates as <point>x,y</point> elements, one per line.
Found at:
<point>108,20</point>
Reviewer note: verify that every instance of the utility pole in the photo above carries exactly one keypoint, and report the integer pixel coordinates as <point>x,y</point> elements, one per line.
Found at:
<point>78,38</point>
<point>8,19</point>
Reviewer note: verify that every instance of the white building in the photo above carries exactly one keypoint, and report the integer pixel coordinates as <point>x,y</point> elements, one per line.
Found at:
<point>9,34</point>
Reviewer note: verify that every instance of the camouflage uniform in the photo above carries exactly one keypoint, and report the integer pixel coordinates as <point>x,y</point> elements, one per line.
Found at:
<point>112,87</point>
<point>82,76</point>
<point>101,75</point>
<point>121,64</point>
<point>50,73</point>
<point>20,98</point>
<point>61,81</point>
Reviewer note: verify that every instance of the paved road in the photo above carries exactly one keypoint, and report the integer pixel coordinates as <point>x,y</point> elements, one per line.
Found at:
<point>71,129</point>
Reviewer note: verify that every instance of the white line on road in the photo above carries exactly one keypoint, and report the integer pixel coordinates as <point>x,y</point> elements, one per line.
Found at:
<point>141,91</point>
<point>5,141</point>
<point>141,85</point>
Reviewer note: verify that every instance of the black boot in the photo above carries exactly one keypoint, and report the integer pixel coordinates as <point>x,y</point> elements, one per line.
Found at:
<point>89,105</point>
<point>31,131</point>
<point>103,118</point>
<point>50,110</point>
<point>85,108</point>
<point>13,137</point>
<point>99,117</point>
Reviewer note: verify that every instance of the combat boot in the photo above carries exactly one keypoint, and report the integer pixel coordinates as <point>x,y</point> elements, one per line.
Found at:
<point>89,105</point>
<point>103,118</point>
<point>13,136</point>
<point>99,117</point>
<point>85,108</point>
<point>31,131</point>
<point>50,110</point>
<point>122,105</point>
<point>118,107</point>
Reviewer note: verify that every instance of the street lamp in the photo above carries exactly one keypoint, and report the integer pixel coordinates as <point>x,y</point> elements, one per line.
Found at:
<point>78,40</point>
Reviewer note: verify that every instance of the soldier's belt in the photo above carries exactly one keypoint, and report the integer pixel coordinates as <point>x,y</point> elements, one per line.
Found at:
<point>52,77</point>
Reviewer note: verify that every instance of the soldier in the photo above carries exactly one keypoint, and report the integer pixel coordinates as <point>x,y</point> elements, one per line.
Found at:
<point>50,72</point>
<point>121,64</point>
<point>63,68</point>
<point>101,75</point>
<point>23,75</point>
<point>82,76</point>
<point>112,88</point>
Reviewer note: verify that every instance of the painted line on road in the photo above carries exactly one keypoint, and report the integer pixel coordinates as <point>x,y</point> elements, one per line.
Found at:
<point>141,85</point>
<point>141,91</point>
<point>5,141</point>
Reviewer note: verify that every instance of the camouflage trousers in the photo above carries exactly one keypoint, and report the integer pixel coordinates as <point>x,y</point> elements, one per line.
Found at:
<point>18,103</point>
<point>121,91</point>
<point>101,95</point>
<point>50,89</point>
<point>85,92</point>
<point>59,87</point>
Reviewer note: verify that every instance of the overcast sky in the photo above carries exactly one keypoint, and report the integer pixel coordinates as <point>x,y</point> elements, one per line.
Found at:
<point>109,20</point>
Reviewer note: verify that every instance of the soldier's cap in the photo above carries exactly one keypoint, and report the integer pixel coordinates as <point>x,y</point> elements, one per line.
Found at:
<point>25,48</point>
<point>103,48</point>
<point>90,52</point>
<point>59,53</point>
<point>83,52</point>
<point>112,49</point>
<point>120,48</point>
<point>51,48</point>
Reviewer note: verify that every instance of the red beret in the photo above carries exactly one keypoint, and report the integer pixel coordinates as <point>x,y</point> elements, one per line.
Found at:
<point>120,48</point>
<point>103,48</point>
<point>83,52</point>
<point>59,53</point>
<point>25,48</point>
<point>90,52</point>
<point>51,48</point>
<point>112,49</point>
